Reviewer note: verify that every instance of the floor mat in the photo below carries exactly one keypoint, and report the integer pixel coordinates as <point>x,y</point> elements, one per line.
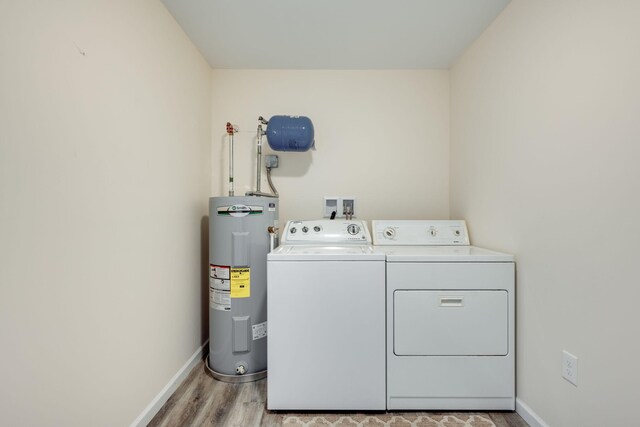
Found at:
<point>384,420</point>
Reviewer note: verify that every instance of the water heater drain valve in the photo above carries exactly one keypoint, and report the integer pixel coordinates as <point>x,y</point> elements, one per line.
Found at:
<point>240,370</point>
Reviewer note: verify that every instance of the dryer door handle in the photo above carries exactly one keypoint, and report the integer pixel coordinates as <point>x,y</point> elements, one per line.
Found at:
<point>451,302</point>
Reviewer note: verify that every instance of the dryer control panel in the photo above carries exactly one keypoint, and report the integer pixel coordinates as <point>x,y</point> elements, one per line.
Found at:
<point>420,232</point>
<point>324,231</point>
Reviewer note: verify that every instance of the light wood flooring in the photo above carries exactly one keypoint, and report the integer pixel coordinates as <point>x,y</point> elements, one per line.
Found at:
<point>203,401</point>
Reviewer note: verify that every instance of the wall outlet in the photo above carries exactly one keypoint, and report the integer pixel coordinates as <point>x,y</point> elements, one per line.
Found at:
<point>570,367</point>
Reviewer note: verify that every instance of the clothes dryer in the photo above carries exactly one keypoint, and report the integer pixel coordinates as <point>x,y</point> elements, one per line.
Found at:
<point>326,318</point>
<point>450,318</point>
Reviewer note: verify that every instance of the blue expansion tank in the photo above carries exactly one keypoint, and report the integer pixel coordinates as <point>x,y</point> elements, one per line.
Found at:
<point>290,133</point>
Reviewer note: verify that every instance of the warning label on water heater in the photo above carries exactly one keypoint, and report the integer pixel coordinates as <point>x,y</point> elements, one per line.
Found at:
<point>240,282</point>
<point>219,300</point>
<point>219,271</point>
<point>220,287</point>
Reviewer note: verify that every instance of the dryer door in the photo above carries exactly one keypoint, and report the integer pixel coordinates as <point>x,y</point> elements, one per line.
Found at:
<point>450,323</point>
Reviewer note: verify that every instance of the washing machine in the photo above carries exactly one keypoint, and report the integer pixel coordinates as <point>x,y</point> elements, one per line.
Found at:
<point>326,318</point>
<point>450,318</point>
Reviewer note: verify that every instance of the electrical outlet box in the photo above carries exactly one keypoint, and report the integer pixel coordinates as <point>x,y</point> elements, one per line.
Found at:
<point>570,367</point>
<point>338,205</point>
<point>271,161</point>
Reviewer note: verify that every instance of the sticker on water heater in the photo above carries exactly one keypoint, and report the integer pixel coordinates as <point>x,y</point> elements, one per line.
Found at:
<point>259,331</point>
<point>219,271</point>
<point>220,284</point>
<point>219,300</point>
<point>240,282</point>
<point>239,211</point>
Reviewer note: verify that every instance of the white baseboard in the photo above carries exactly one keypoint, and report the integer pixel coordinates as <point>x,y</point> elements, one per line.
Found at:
<point>528,415</point>
<point>156,404</point>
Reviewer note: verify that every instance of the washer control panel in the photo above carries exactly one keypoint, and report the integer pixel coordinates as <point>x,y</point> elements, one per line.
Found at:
<point>420,232</point>
<point>323,231</point>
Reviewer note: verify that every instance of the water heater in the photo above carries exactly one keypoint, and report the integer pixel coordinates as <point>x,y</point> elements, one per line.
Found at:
<point>240,236</point>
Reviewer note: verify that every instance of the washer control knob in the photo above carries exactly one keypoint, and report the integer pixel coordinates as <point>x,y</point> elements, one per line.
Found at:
<point>457,232</point>
<point>433,232</point>
<point>353,229</point>
<point>305,229</point>
<point>389,233</point>
<point>292,230</point>
<point>317,228</point>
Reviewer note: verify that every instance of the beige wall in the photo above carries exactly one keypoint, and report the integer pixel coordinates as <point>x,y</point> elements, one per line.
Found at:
<point>544,164</point>
<point>104,174</point>
<point>381,136</point>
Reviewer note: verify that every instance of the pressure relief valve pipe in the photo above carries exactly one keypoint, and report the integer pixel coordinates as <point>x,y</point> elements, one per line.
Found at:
<point>260,133</point>
<point>231,129</point>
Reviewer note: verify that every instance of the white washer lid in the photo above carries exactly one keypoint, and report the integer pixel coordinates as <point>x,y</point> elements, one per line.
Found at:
<point>325,253</point>
<point>442,254</point>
